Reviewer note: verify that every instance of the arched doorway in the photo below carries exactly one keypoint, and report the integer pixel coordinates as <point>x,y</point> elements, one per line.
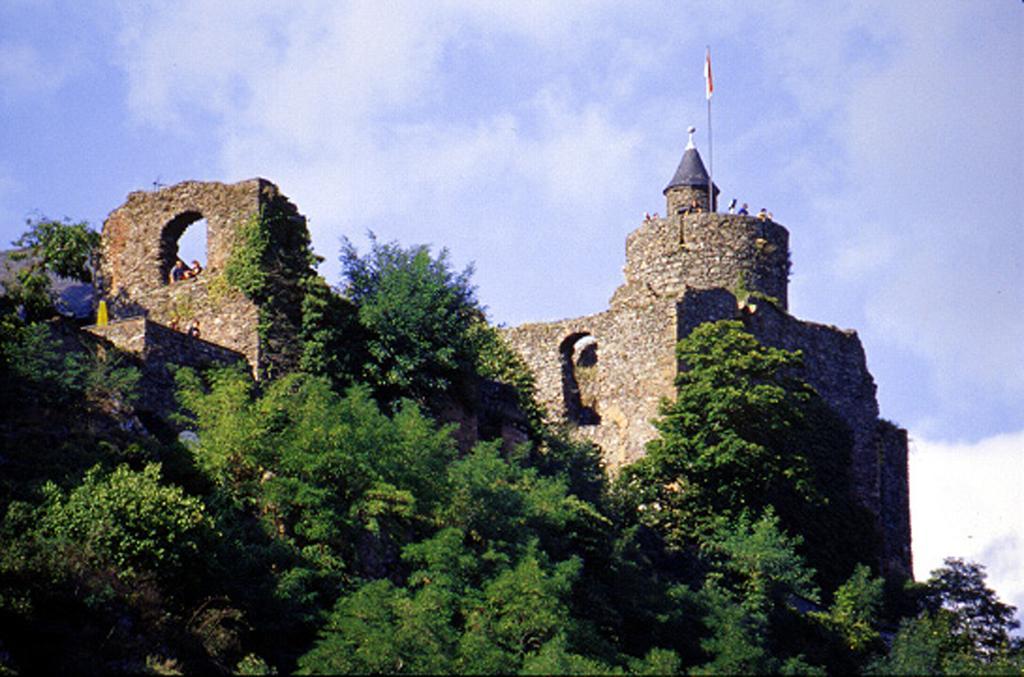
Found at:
<point>185,238</point>
<point>578,355</point>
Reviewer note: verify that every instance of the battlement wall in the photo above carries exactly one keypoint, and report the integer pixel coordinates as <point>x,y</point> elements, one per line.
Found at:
<point>835,365</point>
<point>708,251</point>
<point>153,342</point>
<point>223,314</point>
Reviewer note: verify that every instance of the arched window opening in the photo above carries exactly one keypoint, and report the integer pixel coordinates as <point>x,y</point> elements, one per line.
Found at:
<point>184,239</point>
<point>579,378</point>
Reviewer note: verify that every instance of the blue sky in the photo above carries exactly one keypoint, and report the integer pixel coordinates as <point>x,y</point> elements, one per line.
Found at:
<point>530,138</point>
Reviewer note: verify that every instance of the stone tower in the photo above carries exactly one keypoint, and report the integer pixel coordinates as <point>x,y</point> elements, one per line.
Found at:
<point>605,374</point>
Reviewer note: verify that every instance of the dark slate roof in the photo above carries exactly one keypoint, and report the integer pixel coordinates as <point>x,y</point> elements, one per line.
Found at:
<point>691,172</point>
<point>71,297</point>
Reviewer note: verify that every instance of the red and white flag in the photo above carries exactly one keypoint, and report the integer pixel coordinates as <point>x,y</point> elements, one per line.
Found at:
<point>709,86</point>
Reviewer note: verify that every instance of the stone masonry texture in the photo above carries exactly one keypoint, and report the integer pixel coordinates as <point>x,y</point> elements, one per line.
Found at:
<point>156,347</point>
<point>139,248</point>
<point>683,270</point>
<point>604,374</point>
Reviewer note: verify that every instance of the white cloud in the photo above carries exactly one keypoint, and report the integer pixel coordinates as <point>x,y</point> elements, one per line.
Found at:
<point>922,227</point>
<point>351,110</point>
<point>962,320</point>
<point>965,501</point>
<point>24,70</point>
<point>193,57</point>
<point>427,122</point>
<point>9,187</point>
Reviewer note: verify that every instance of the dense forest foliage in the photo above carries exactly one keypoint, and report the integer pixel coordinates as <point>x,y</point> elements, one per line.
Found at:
<point>328,521</point>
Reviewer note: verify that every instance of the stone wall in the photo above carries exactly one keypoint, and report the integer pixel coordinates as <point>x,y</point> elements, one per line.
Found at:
<point>894,498</point>
<point>140,245</point>
<point>154,342</point>
<point>156,347</point>
<point>834,363</point>
<point>708,251</point>
<point>620,384</point>
<point>685,270</point>
<point>140,237</point>
<point>224,315</point>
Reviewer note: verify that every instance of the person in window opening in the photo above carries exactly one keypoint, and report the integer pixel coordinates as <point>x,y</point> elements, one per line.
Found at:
<point>743,210</point>
<point>178,272</point>
<point>194,270</point>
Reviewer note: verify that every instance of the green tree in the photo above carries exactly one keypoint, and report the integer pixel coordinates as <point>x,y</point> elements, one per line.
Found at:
<point>333,341</point>
<point>128,520</point>
<point>744,434</point>
<point>555,658</point>
<point>382,629</point>
<point>418,313</point>
<point>517,612</point>
<point>51,247</point>
<point>963,628</point>
<point>855,608</point>
<point>977,614</point>
<point>755,578</point>
<point>337,486</point>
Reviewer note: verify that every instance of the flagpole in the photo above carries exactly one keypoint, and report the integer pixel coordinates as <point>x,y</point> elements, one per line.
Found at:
<point>709,88</point>
<point>711,164</point>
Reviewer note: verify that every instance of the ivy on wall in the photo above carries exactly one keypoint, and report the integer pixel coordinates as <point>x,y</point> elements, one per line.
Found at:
<point>270,263</point>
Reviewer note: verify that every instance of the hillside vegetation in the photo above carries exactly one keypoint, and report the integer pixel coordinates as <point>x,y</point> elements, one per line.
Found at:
<point>329,522</point>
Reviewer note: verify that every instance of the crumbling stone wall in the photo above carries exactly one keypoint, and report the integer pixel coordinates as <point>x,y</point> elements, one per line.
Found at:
<point>635,367</point>
<point>693,268</point>
<point>894,497</point>
<point>154,342</point>
<point>155,347</point>
<point>140,246</point>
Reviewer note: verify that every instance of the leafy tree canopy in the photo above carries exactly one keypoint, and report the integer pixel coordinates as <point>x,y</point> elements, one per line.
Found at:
<point>323,522</point>
<point>50,247</point>
<point>418,313</point>
<point>61,247</point>
<point>744,434</point>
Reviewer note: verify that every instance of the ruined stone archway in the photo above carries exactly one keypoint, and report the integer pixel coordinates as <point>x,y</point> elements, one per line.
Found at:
<point>140,237</point>
<point>578,357</point>
<point>171,237</point>
<point>141,241</point>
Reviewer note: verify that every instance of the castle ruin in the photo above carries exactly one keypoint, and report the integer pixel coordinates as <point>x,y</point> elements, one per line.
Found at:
<point>605,374</point>
<point>140,246</point>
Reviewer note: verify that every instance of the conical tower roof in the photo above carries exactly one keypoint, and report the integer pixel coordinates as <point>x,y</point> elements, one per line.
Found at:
<point>691,171</point>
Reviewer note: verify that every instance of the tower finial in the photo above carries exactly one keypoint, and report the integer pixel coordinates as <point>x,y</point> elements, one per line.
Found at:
<point>690,144</point>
